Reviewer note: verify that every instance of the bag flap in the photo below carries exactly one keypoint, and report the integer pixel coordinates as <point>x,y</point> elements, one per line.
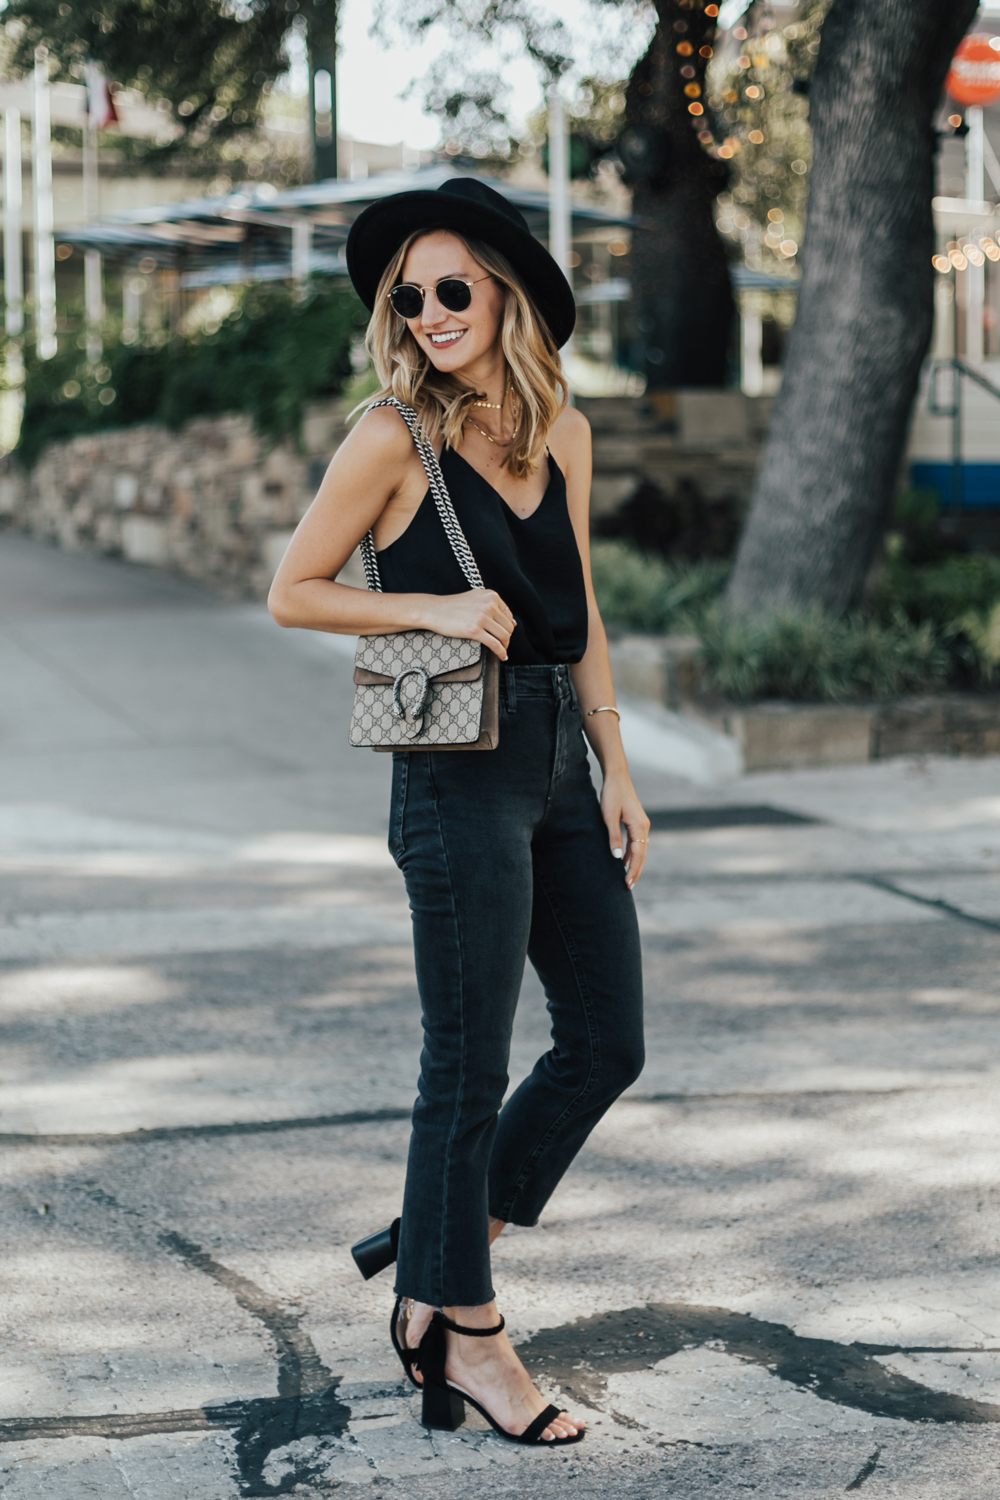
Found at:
<point>385,656</point>
<point>461,674</point>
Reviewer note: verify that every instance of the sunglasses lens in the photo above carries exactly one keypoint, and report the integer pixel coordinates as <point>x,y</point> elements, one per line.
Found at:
<point>407,301</point>
<point>454,295</point>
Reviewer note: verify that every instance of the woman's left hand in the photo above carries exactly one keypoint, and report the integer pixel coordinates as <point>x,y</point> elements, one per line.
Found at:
<point>620,805</point>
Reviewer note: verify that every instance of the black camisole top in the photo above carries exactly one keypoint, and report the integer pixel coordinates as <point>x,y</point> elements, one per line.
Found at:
<point>533,564</point>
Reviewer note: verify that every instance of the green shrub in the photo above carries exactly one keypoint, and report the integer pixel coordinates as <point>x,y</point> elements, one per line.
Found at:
<point>941,592</point>
<point>638,591</point>
<point>271,355</point>
<point>817,658</point>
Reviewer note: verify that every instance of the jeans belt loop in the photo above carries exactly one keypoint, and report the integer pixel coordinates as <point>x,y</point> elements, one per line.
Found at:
<point>510,688</point>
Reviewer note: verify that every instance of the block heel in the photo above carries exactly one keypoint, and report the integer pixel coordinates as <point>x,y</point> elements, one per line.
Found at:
<point>443,1408</point>
<point>378,1251</point>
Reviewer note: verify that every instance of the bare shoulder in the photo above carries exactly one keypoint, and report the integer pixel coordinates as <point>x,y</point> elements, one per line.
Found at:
<point>571,426</point>
<point>380,434</point>
<point>569,440</point>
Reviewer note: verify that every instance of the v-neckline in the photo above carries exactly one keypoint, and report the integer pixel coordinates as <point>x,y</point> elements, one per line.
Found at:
<point>506,503</point>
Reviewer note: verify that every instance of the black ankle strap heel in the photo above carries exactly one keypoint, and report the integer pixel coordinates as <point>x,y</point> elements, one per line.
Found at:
<point>444,1404</point>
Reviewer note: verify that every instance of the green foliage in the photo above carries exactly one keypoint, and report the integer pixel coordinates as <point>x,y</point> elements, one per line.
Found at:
<point>940,592</point>
<point>270,356</point>
<point>801,657</point>
<point>211,61</point>
<point>638,591</point>
<point>818,658</point>
<point>957,596</point>
<point>982,644</point>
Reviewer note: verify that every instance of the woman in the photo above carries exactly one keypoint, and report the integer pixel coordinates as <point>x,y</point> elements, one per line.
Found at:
<point>505,853</point>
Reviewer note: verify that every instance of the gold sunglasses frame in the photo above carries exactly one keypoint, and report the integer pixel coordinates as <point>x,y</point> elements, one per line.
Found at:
<point>423,290</point>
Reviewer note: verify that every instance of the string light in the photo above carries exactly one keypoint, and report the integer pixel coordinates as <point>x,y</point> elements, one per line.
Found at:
<point>753,92</point>
<point>958,260</point>
<point>696,109</point>
<point>941,263</point>
<point>788,247</point>
<point>757,136</point>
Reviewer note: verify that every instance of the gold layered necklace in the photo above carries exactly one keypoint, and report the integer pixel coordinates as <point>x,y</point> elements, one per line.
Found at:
<point>500,442</point>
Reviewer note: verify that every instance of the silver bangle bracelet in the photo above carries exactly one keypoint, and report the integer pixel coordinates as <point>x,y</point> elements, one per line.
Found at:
<point>606,710</point>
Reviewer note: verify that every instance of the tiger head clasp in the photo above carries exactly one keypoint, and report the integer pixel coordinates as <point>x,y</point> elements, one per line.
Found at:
<point>414,711</point>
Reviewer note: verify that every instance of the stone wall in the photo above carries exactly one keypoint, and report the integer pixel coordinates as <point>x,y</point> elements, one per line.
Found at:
<point>213,501</point>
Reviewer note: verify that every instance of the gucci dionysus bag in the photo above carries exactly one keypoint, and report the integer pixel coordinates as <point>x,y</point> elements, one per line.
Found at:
<point>415,689</point>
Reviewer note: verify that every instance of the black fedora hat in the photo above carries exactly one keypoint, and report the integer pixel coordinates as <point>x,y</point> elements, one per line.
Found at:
<point>467,207</point>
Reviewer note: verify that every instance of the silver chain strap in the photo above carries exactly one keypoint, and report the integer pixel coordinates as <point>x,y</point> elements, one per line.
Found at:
<point>442,502</point>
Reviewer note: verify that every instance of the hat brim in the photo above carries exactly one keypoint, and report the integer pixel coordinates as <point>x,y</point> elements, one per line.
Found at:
<point>378,232</point>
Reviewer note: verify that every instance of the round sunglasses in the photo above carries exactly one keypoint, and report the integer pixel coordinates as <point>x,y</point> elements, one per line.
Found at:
<point>452,293</point>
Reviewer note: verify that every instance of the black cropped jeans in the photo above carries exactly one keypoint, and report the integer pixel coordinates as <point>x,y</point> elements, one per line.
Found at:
<point>506,856</point>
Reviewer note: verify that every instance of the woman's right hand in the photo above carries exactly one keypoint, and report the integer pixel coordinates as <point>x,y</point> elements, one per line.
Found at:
<point>478,615</point>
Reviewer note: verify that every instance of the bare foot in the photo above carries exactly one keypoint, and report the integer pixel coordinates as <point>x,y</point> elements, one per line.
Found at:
<point>490,1370</point>
<point>414,1318</point>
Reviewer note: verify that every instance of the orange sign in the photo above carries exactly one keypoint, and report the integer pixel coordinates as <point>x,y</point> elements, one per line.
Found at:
<point>974,77</point>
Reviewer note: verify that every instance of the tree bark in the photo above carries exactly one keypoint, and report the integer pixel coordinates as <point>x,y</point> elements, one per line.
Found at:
<point>864,321</point>
<point>683,301</point>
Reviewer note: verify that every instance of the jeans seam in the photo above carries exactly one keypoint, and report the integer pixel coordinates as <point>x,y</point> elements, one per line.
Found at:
<point>588,1086</point>
<point>463,1066</point>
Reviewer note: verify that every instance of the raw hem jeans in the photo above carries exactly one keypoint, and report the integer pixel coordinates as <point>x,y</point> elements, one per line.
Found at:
<point>505,855</point>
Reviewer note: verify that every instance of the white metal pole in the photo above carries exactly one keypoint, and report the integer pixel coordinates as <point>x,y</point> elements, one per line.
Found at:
<point>751,351</point>
<point>301,253</point>
<point>13,267</point>
<point>975,192</point>
<point>46,342</point>
<point>559,221</point>
<point>132,289</point>
<point>93,296</point>
<point>93,278</point>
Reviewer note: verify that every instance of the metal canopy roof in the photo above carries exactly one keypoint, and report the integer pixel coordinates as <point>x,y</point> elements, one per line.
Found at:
<point>336,202</point>
<point>245,235</point>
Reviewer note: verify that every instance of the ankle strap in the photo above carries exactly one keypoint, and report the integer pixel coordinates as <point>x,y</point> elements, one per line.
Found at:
<point>471,1333</point>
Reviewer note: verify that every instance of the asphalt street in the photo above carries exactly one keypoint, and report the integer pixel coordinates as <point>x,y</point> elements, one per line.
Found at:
<point>773,1270</point>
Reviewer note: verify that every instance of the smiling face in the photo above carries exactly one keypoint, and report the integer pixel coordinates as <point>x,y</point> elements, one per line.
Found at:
<point>454,342</point>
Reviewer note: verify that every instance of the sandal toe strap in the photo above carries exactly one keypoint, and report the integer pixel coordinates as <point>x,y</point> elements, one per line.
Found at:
<point>533,1432</point>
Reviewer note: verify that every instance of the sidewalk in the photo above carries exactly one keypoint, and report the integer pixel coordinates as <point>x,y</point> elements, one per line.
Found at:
<point>773,1270</point>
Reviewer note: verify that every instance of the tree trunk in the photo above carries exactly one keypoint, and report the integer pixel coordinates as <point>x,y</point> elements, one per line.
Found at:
<point>865,307</point>
<point>680,276</point>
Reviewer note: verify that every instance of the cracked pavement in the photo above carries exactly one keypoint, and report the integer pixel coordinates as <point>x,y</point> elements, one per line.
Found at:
<point>772,1270</point>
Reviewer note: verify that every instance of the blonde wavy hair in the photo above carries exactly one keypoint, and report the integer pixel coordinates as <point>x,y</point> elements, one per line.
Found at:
<point>442,402</point>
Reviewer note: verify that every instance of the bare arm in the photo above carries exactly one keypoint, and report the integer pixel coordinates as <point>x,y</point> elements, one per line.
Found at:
<point>371,470</point>
<point>571,443</point>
